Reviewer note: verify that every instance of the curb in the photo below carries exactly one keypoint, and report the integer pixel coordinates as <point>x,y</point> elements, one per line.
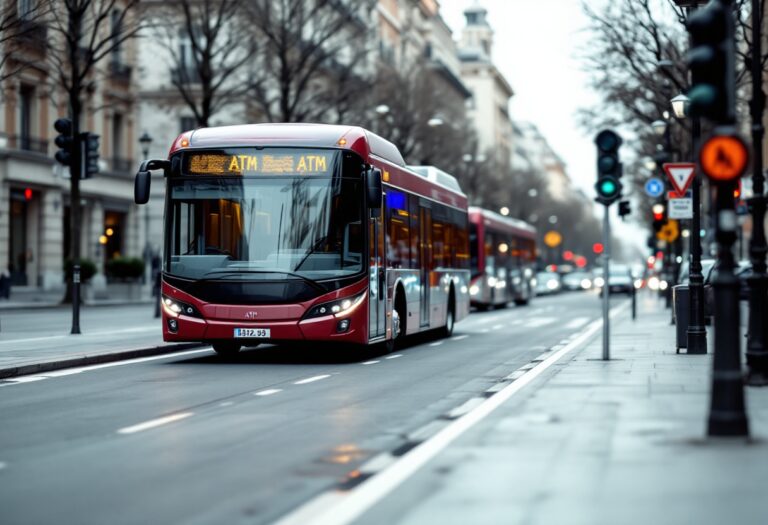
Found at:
<point>123,355</point>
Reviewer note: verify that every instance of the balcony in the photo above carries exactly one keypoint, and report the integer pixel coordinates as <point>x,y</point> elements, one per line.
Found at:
<point>28,143</point>
<point>185,75</point>
<point>120,72</point>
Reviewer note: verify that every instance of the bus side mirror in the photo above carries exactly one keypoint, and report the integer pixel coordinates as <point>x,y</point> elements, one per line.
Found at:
<point>374,188</point>
<point>141,187</point>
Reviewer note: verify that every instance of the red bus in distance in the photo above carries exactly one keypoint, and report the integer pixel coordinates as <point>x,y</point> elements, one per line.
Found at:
<point>503,259</point>
<point>306,232</point>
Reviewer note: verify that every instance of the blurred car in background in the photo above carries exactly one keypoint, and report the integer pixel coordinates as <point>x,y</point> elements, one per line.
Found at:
<point>620,279</point>
<point>547,283</point>
<point>577,281</point>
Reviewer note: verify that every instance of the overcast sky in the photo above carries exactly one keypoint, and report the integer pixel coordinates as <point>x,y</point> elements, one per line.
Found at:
<point>536,47</point>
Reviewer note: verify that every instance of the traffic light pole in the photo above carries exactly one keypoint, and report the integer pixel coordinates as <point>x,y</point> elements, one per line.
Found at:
<point>757,347</point>
<point>697,332</point>
<point>606,288</point>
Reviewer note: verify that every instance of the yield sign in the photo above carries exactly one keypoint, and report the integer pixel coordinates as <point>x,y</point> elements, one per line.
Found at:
<point>680,175</point>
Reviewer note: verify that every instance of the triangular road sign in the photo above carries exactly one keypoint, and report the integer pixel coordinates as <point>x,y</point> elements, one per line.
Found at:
<point>680,174</point>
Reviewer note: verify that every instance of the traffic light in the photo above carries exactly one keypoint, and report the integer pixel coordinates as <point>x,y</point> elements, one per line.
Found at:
<point>90,143</point>
<point>609,168</point>
<point>598,248</point>
<point>712,63</point>
<point>624,208</point>
<point>65,141</point>
<point>659,216</point>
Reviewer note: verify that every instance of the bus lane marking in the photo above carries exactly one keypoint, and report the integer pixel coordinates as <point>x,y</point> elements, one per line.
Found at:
<point>153,423</point>
<point>311,379</point>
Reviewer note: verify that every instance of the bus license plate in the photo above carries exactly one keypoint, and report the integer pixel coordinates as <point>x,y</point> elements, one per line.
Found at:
<point>256,333</point>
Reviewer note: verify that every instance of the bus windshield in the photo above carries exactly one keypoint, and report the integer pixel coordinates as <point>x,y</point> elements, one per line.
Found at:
<point>252,225</point>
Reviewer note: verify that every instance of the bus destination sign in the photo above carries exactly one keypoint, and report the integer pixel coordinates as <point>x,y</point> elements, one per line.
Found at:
<point>261,163</point>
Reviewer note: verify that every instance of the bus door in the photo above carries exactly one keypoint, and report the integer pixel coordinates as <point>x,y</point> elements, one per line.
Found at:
<point>425,260</point>
<point>377,324</point>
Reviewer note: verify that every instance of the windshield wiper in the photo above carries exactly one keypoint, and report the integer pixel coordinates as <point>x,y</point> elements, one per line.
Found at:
<point>307,280</point>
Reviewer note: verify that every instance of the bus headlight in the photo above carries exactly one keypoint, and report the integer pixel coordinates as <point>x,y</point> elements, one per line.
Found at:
<point>175,308</point>
<point>338,307</point>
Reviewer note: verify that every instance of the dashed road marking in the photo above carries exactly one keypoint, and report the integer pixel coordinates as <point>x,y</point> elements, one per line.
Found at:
<point>153,423</point>
<point>497,327</point>
<point>226,404</point>
<point>269,391</point>
<point>459,337</point>
<point>577,323</point>
<point>395,356</point>
<point>370,362</point>
<point>539,321</point>
<point>436,343</point>
<point>311,379</point>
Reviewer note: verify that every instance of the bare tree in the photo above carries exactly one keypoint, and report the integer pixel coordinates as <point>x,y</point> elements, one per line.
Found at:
<point>209,48</point>
<point>306,46</point>
<point>84,34</point>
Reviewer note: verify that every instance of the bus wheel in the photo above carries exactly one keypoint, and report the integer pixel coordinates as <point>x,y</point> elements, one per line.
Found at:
<point>399,314</point>
<point>226,349</point>
<point>450,318</point>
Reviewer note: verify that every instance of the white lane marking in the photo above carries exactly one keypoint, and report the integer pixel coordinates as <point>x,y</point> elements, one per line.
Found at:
<point>340,508</point>
<point>484,331</point>
<point>370,362</point>
<point>78,370</point>
<point>539,321</point>
<point>226,404</point>
<point>577,323</point>
<point>62,336</point>
<point>268,392</point>
<point>497,327</point>
<point>459,337</point>
<point>153,423</point>
<point>436,343</point>
<point>311,379</point>
<point>394,356</point>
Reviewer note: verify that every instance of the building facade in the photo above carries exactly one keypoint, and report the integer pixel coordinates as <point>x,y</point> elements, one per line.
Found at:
<point>34,189</point>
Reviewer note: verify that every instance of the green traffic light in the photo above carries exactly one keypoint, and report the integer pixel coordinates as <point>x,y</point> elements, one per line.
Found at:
<point>608,188</point>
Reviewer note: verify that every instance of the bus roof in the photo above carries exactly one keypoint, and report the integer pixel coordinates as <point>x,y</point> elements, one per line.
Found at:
<point>355,138</point>
<point>499,222</point>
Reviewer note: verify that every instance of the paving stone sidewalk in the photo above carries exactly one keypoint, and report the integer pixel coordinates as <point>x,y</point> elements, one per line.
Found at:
<point>594,442</point>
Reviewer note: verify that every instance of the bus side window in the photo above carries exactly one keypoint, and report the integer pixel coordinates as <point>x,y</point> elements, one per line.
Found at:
<point>353,246</point>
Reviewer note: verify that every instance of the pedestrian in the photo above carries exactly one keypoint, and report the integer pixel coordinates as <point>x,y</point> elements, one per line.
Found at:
<point>5,283</point>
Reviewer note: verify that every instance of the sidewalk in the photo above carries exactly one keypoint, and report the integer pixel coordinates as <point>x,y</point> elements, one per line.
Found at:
<point>594,442</point>
<point>34,341</point>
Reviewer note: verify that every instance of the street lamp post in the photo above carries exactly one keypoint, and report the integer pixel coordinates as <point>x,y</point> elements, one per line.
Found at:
<point>696,332</point>
<point>757,348</point>
<point>146,141</point>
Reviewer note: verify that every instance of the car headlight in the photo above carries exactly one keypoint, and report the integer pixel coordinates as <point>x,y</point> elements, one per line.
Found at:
<point>552,284</point>
<point>474,290</point>
<point>492,281</point>
<point>338,307</point>
<point>516,280</point>
<point>638,284</point>
<point>653,283</point>
<point>586,284</point>
<point>599,282</point>
<point>663,285</point>
<point>175,308</point>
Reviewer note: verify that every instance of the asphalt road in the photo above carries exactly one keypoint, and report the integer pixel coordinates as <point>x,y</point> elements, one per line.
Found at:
<point>194,439</point>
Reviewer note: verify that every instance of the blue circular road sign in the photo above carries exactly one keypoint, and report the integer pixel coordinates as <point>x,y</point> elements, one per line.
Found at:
<point>654,187</point>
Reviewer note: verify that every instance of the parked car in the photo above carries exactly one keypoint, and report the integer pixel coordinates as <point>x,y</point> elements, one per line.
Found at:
<point>577,281</point>
<point>547,283</point>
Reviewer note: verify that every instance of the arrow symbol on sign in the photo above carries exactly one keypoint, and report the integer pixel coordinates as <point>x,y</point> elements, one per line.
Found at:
<point>680,174</point>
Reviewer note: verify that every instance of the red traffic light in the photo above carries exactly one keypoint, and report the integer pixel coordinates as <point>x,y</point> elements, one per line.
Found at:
<point>28,194</point>
<point>567,255</point>
<point>597,247</point>
<point>658,216</point>
<point>581,261</point>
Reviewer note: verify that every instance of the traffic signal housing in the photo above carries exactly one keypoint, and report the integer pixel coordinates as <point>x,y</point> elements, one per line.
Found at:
<point>624,208</point>
<point>608,186</point>
<point>659,216</point>
<point>64,141</point>
<point>712,63</point>
<point>90,142</point>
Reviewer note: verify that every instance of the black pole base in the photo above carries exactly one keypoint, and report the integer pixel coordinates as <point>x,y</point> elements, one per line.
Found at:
<point>757,372</point>
<point>697,340</point>
<point>727,424</point>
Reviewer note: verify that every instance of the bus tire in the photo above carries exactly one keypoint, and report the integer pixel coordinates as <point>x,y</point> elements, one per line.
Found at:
<point>226,349</point>
<point>450,317</point>
<point>401,311</point>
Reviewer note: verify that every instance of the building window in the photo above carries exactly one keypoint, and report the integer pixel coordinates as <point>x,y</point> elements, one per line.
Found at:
<point>116,24</point>
<point>25,9</point>
<point>26,109</point>
<point>187,123</point>
<point>117,135</point>
<point>112,238</point>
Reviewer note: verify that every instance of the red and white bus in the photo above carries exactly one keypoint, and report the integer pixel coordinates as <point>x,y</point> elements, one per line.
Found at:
<point>306,232</point>
<point>503,259</point>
